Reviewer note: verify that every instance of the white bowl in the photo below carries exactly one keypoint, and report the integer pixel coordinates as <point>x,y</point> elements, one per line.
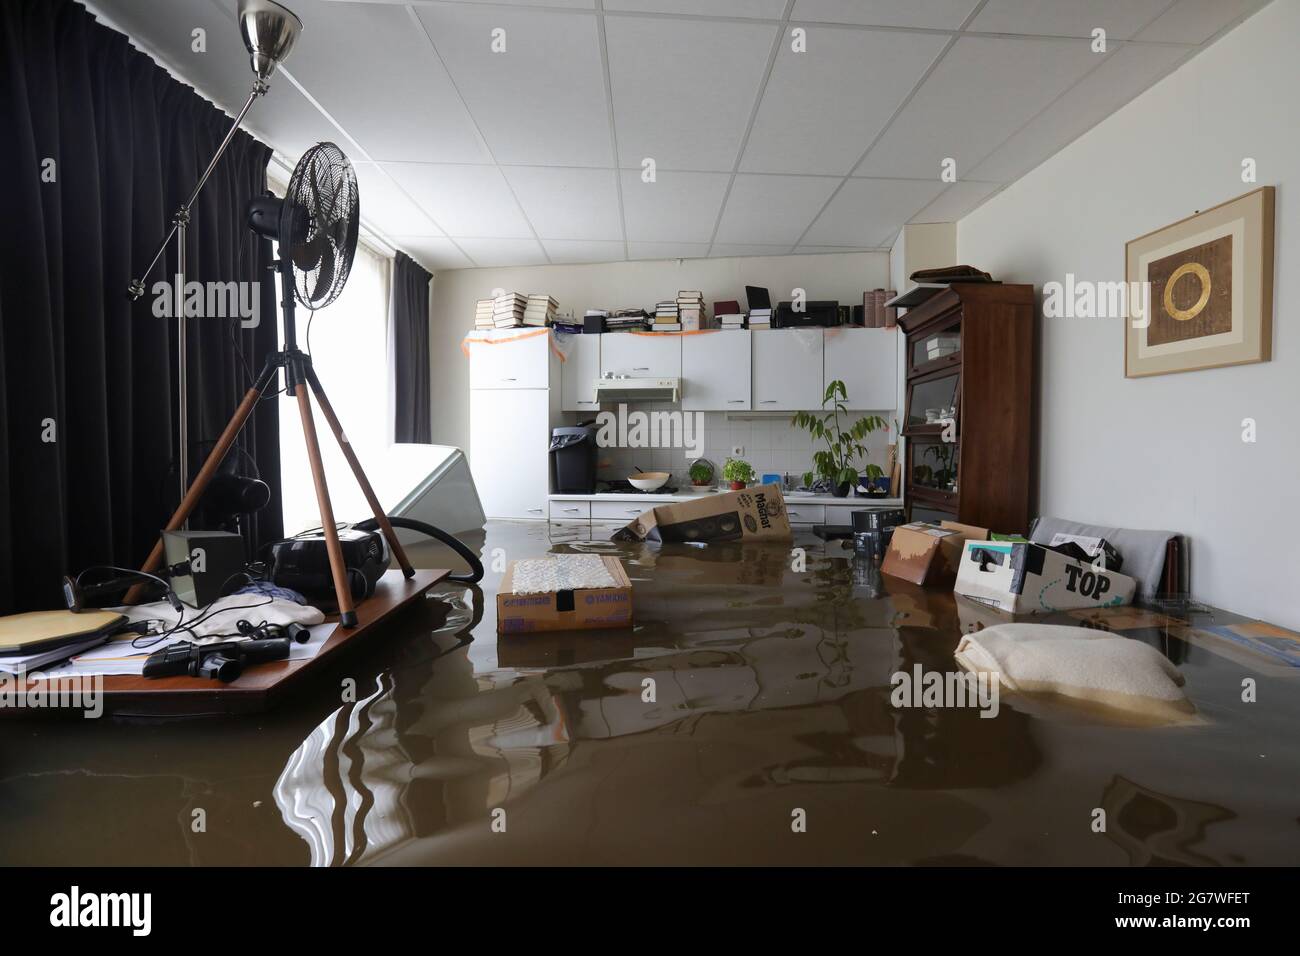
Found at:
<point>649,480</point>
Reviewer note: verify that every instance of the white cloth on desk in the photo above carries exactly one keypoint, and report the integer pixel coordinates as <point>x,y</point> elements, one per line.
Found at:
<point>223,615</point>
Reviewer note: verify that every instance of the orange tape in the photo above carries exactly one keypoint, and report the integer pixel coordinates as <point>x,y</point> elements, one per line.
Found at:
<point>469,339</point>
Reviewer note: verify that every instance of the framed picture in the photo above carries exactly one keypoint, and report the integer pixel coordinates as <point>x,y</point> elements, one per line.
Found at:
<point>1211,290</point>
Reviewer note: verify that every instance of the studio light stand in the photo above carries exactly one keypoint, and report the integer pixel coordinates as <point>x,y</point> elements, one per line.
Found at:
<point>269,31</point>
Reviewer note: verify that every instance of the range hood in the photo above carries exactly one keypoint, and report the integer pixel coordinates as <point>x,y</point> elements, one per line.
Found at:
<point>628,389</point>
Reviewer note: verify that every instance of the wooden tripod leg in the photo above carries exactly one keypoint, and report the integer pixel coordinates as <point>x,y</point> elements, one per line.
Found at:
<point>342,587</point>
<point>376,509</point>
<point>196,490</point>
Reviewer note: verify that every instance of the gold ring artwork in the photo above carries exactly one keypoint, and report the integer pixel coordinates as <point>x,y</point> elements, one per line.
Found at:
<point>1182,315</point>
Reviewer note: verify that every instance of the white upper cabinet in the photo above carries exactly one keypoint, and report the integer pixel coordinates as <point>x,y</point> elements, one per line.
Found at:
<point>641,354</point>
<point>520,360</point>
<point>716,371</point>
<point>579,372</point>
<point>866,361</point>
<point>787,369</point>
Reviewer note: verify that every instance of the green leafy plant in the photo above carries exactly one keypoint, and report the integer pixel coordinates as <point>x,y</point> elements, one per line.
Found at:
<point>844,442</point>
<point>738,470</point>
<point>701,472</point>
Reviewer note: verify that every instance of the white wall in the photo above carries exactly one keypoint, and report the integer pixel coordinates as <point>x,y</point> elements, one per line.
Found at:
<point>1166,451</point>
<point>621,285</point>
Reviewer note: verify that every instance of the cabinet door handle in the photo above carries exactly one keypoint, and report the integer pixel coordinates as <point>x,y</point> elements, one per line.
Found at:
<point>634,511</point>
<point>767,401</point>
<point>510,380</point>
<point>534,511</point>
<point>735,401</point>
<point>641,368</point>
<point>572,511</point>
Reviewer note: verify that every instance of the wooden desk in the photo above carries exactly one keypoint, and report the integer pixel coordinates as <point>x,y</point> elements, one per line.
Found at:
<point>260,687</point>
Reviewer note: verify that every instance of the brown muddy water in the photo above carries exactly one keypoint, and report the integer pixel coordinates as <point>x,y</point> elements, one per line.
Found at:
<point>772,696</point>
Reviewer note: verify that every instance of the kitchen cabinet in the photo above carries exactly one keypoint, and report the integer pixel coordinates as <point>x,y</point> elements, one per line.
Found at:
<point>866,361</point>
<point>716,371</point>
<point>787,369</point>
<point>517,360</point>
<point>578,373</point>
<point>510,434</point>
<point>641,354</point>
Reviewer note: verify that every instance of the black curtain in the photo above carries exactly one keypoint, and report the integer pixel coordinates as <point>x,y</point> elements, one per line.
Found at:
<point>410,324</point>
<point>99,147</point>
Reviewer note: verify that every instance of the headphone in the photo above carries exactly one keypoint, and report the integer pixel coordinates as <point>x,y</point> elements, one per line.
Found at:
<point>75,594</point>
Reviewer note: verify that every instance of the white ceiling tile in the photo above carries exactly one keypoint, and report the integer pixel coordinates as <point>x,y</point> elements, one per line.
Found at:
<point>976,97</point>
<point>572,4</point>
<point>932,14</point>
<point>1127,72</point>
<point>403,78</point>
<point>956,201</point>
<point>387,207</point>
<point>822,108</point>
<point>1195,21</point>
<point>771,9</point>
<point>463,200</point>
<point>667,250</point>
<point>683,90</point>
<point>772,209</point>
<point>1067,18</point>
<point>494,253</point>
<point>721,249</point>
<point>432,252</point>
<point>542,101</point>
<point>584,250</point>
<point>565,203</point>
<point>866,212</point>
<point>829,250</point>
<point>677,207</point>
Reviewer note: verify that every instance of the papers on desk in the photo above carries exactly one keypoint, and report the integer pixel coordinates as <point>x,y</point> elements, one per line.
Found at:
<point>26,663</point>
<point>120,657</point>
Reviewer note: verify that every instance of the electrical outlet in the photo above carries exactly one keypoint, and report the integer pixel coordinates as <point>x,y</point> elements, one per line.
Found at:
<point>737,451</point>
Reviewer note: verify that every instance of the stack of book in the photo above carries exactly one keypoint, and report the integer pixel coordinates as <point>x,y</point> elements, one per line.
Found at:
<point>691,311</point>
<point>483,314</point>
<point>508,310</point>
<point>666,317</point>
<point>626,320</point>
<point>760,318</point>
<point>540,309</point>
<point>728,315</point>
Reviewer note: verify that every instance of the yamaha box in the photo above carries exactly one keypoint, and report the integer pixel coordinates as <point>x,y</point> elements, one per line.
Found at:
<point>1023,578</point>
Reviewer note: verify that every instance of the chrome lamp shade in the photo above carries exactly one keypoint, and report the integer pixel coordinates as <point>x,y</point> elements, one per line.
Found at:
<point>269,31</point>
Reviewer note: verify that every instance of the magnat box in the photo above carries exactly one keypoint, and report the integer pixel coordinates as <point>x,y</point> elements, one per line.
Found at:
<point>753,514</point>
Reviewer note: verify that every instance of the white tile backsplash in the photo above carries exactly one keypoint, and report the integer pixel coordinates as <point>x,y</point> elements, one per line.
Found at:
<point>771,443</point>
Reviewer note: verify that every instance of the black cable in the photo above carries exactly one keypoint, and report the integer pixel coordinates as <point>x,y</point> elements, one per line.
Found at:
<point>411,524</point>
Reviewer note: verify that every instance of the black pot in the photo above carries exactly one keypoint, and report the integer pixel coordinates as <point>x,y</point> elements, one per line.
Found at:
<point>841,490</point>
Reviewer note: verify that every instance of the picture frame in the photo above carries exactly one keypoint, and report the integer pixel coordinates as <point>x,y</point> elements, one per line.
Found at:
<point>1211,289</point>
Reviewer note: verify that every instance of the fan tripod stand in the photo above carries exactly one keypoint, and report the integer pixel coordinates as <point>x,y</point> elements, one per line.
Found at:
<point>299,375</point>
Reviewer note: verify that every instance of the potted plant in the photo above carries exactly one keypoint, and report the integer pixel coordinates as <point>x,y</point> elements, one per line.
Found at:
<point>844,441</point>
<point>701,472</point>
<point>739,472</point>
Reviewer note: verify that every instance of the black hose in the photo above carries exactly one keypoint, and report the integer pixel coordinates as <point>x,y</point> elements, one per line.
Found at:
<point>451,541</point>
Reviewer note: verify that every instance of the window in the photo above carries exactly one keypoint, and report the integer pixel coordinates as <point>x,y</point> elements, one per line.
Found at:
<point>348,344</point>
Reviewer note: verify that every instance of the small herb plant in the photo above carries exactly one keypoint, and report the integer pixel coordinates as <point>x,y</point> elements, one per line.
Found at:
<point>701,473</point>
<point>738,471</point>
<point>844,442</point>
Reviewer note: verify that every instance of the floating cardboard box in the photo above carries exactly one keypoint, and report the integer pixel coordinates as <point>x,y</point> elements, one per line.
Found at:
<point>1023,578</point>
<point>753,514</point>
<point>926,553</point>
<point>564,592</point>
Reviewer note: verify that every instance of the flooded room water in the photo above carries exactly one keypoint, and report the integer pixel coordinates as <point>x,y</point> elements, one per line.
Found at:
<point>772,704</point>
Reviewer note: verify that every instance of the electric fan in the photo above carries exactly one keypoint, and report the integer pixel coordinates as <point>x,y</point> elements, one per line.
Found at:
<point>315,227</point>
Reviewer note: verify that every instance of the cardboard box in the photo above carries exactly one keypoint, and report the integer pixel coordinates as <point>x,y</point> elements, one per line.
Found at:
<point>754,514</point>
<point>1023,578</point>
<point>926,553</point>
<point>565,609</point>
